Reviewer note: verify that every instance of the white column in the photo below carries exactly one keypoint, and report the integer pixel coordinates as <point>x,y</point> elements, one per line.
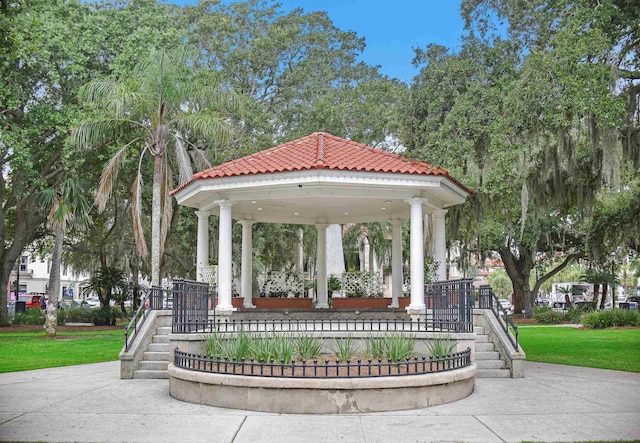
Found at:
<point>440,244</point>
<point>396,263</point>
<point>225,275</point>
<point>417,255</point>
<point>246,272</point>
<point>202,247</point>
<point>322,299</point>
<point>300,251</point>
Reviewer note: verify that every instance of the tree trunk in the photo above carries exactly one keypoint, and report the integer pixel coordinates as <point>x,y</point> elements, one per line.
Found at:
<point>519,271</point>
<point>603,300</point>
<point>54,286</point>
<point>156,216</point>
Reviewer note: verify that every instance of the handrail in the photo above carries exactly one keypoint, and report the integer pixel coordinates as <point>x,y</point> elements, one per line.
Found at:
<point>488,300</point>
<point>142,311</point>
<point>153,301</point>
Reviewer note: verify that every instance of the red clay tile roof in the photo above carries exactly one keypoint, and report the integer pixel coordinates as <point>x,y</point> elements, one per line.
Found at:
<point>321,150</point>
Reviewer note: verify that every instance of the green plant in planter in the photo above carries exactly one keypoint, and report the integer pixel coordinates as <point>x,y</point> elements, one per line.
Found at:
<point>307,347</point>
<point>333,284</point>
<point>399,346</point>
<point>441,346</point>
<point>344,348</point>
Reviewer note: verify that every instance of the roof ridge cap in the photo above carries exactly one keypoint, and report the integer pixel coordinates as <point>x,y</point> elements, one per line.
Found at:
<point>320,143</point>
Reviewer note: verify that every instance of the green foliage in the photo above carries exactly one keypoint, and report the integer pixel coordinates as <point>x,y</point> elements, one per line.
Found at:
<point>344,348</point>
<point>394,346</point>
<point>75,315</point>
<point>400,346</point>
<point>546,315</point>
<point>441,346</point>
<point>103,316</point>
<point>500,282</point>
<point>33,316</point>
<point>575,315</point>
<point>611,318</point>
<point>307,347</point>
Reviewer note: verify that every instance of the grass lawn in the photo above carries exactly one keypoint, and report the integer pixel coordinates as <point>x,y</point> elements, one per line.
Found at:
<point>594,348</point>
<point>21,351</point>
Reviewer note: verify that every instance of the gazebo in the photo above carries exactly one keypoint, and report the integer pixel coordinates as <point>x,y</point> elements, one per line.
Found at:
<point>319,180</point>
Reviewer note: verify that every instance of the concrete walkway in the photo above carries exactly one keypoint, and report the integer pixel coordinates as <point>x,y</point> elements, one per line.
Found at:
<point>90,403</point>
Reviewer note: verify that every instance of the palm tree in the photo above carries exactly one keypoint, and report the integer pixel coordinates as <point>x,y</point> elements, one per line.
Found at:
<point>165,103</point>
<point>68,207</point>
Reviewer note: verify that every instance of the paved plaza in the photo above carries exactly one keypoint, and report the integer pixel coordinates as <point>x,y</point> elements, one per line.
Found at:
<point>90,403</point>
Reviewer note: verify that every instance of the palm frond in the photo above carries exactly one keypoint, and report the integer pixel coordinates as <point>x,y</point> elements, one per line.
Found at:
<point>93,132</point>
<point>109,176</point>
<point>136,215</point>
<point>211,126</point>
<point>184,162</point>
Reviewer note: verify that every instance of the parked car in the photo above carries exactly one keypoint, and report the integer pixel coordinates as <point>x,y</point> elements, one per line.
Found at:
<point>506,305</point>
<point>31,300</point>
<point>93,302</point>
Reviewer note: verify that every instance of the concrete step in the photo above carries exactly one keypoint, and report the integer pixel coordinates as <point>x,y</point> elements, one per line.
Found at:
<point>490,364</point>
<point>482,339</point>
<point>160,339</point>
<point>490,355</point>
<point>153,365</point>
<point>485,347</point>
<point>493,373</point>
<point>163,330</point>
<point>155,356</point>
<point>479,330</point>
<point>159,347</point>
<point>149,374</point>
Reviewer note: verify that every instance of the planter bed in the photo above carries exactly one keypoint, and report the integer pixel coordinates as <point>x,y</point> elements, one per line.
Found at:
<point>321,395</point>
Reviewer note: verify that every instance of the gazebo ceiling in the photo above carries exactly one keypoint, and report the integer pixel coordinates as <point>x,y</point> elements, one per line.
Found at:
<point>321,178</point>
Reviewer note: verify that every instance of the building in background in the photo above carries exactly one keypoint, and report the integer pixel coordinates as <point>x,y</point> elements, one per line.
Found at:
<point>33,278</point>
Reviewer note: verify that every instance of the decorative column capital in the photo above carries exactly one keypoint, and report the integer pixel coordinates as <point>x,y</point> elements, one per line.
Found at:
<point>417,201</point>
<point>322,226</point>
<point>396,222</point>
<point>202,214</point>
<point>224,203</point>
<point>246,223</point>
<point>440,212</point>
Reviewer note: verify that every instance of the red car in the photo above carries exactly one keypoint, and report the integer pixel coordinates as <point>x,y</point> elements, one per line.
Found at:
<point>31,300</point>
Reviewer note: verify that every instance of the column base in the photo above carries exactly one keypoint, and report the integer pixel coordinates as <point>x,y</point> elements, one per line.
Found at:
<point>417,313</point>
<point>322,306</point>
<point>225,310</point>
<point>249,306</point>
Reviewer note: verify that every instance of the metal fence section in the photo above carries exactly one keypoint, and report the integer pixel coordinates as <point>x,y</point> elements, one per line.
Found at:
<point>190,306</point>
<point>451,304</point>
<point>322,368</point>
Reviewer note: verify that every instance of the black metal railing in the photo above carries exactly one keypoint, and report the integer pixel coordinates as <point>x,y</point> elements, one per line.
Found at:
<point>281,324</point>
<point>191,303</point>
<point>157,298</point>
<point>488,300</point>
<point>322,368</point>
<point>451,304</point>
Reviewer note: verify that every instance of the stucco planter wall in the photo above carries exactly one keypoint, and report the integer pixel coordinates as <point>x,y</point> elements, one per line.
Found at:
<point>321,396</point>
<point>282,303</point>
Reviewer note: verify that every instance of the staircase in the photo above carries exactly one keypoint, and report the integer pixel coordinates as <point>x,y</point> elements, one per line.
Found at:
<point>488,359</point>
<point>155,359</point>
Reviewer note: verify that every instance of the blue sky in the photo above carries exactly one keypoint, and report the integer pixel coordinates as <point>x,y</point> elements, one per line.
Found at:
<point>391,28</point>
